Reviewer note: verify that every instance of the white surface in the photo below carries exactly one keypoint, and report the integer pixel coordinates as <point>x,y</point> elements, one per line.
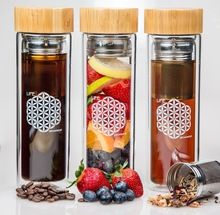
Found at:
<point>11,205</point>
<point>210,102</point>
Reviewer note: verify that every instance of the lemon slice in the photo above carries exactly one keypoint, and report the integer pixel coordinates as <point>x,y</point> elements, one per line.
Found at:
<point>99,84</point>
<point>111,67</point>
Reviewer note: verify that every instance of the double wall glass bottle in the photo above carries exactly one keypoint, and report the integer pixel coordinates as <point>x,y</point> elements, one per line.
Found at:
<point>174,67</point>
<point>43,76</point>
<point>109,44</point>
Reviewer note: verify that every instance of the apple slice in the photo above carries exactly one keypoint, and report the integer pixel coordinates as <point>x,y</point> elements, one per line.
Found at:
<point>111,67</point>
<point>99,84</point>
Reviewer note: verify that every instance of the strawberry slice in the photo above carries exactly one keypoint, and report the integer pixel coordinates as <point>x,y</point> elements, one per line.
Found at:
<point>119,90</point>
<point>92,75</point>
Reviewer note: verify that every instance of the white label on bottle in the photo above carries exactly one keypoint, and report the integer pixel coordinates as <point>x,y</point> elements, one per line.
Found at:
<point>173,118</point>
<point>43,112</point>
<point>108,116</point>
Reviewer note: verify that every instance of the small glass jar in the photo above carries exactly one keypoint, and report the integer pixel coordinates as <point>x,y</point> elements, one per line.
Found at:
<point>174,68</point>
<point>43,88</point>
<point>109,84</point>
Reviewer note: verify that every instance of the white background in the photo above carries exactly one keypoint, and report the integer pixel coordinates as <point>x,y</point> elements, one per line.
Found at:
<point>210,83</point>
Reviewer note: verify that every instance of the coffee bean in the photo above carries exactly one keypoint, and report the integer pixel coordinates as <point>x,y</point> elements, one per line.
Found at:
<point>45,185</point>
<point>30,192</point>
<point>51,192</point>
<point>81,200</point>
<point>43,191</point>
<point>24,187</point>
<point>19,190</point>
<point>45,194</point>
<point>50,200</point>
<point>56,198</point>
<point>30,197</point>
<point>35,199</point>
<point>48,197</point>
<point>23,196</point>
<point>62,195</point>
<point>29,184</point>
<point>70,196</point>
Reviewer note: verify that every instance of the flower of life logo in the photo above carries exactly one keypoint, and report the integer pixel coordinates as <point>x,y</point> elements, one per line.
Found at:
<point>43,112</point>
<point>174,118</point>
<point>108,116</point>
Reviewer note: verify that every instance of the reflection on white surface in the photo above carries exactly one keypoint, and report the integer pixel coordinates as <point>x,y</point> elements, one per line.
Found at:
<point>11,205</point>
<point>129,208</point>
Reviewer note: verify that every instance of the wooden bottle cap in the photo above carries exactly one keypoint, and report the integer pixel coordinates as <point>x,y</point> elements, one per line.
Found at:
<point>173,21</point>
<point>109,20</point>
<point>43,20</point>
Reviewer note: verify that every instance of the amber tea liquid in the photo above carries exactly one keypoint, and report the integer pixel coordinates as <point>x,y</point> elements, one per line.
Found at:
<point>172,115</point>
<point>43,152</point>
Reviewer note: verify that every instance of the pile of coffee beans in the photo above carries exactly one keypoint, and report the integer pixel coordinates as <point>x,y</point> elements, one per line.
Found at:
<point>44,191</point>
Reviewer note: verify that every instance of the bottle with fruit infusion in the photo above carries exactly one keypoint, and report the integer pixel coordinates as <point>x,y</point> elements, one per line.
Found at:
<point>109,73</point>
<point>174,64</point>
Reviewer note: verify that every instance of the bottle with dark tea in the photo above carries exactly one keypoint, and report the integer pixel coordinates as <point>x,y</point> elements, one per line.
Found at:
<point>43,78</point>
<point>174,67</point>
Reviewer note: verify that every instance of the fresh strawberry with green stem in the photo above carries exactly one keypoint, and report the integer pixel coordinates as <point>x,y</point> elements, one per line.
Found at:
<point>119,90</point>
<point>89,179</point>
<point>92,75</point>
<point>130,177</point>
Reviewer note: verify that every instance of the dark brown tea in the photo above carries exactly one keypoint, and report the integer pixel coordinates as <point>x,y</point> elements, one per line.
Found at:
<point>43,152</point>
<point>173,116</point>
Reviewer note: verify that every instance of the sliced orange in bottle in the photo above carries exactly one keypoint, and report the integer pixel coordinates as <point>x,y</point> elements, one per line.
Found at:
<point>122,140</point>
<point>98,141</point>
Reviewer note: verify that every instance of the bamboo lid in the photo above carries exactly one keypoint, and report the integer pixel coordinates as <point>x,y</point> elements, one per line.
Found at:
<point>109,20</point>
<point>173,21</point>
<point>43,20</point>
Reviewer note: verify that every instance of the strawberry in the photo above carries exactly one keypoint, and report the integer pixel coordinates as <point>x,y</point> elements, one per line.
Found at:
<point>89,179</point>
<point>119,90</point>
<point>92,75</point>
<point>130,177</point>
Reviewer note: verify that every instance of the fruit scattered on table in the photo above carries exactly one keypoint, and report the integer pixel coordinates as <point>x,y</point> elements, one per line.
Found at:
<point>89,179</point>
<point>130,177</point>
<point>93,186</point>
<point>89,196</point>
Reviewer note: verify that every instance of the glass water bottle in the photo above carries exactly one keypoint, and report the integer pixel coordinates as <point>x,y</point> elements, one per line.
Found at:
<point>109,44</point>
<point>174,68</point>
<point>43,83</point>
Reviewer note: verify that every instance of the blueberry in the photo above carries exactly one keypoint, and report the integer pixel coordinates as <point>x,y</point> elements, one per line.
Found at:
<point>112,192</point>
<point>101,190</point>
<point>105,198</point>
<point>130,195</point>
<point>108,166</point>
<point>121,186</point>
<point>119,197</point>
<point>89,196</point>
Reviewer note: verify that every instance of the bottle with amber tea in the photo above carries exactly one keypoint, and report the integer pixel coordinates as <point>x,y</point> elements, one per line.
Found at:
<point>109,46</point>
<point>174,67</point>
<point>43,83</point>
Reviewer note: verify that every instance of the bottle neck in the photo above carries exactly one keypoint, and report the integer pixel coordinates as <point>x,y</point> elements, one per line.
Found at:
<point>109,45</point>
